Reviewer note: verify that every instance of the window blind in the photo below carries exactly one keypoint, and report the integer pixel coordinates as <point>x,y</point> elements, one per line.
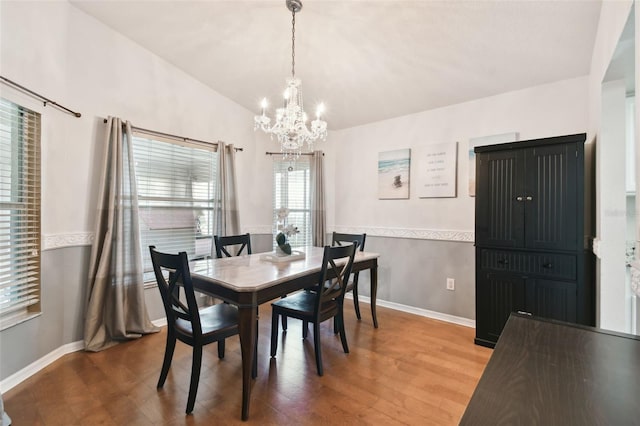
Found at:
<point>291,189</point>
<point>177,196</point>
<point>19,213</point>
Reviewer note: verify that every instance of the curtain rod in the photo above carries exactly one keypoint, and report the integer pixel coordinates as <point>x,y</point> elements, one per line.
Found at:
<point>280,153</point>
<point>168,135</point>
<point>38,96</point>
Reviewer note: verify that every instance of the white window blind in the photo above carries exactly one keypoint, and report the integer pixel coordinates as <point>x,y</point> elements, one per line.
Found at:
<point>177,195</point>
<point>291,189</point>
<point>19,213</point>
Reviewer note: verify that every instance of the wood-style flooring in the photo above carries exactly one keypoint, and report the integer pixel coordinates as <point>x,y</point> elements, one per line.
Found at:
<point>411,370</point>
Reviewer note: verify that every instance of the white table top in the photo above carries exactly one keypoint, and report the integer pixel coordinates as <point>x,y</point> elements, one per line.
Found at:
<point>251,273</point>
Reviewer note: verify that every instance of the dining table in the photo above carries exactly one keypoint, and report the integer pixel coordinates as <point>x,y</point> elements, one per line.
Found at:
<point>251,280</point>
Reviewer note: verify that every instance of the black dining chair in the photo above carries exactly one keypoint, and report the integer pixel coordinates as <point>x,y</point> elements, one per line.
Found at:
<point>185,322</point>
<point>320,305</point>
<point>339,239</point>
<point>240,242</point>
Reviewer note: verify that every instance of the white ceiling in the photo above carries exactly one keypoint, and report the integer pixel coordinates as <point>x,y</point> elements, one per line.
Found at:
<point>368,60</point>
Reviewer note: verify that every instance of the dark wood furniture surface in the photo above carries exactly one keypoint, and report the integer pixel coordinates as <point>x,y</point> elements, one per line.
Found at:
<point>545,372</point>
<point>533,234</point>
<point>249,281</point>
<point>317,306</point>
<point>185,321</point>
<point>338,239</point>
<point>239,242</point>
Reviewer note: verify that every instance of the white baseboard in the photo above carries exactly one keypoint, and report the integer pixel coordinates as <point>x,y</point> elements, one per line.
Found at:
<point>38,365</point>
<point>418,311</point>
<point>160,322</point>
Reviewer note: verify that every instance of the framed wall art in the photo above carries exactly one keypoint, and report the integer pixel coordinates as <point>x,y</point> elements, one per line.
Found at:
<point>393,174</point>
<point>437,170</point>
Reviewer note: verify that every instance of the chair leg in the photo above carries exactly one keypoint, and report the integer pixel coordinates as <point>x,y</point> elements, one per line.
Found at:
<point>168,355</point>
<point>316,345</point>
<point>221,348</point>
<point>343,335</point>
<point>195,377</point>
<point>356,302</point>
<point>274,333</point>
<point>305,329</point>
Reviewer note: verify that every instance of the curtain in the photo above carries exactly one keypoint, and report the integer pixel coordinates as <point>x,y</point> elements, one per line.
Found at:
<point>229,217</point>
<point>318,215</point>
<point>116,308</point>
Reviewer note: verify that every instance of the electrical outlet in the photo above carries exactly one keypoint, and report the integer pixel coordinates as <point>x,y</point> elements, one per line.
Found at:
<point>451,284</point>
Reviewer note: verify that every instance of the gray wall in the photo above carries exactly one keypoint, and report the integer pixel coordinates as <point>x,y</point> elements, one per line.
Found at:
<point>413,272</point>
<point>64,281</point>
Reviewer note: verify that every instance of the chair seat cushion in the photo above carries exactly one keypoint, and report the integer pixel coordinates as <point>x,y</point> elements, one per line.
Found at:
<point>302,304</point>
<point>219,319</point>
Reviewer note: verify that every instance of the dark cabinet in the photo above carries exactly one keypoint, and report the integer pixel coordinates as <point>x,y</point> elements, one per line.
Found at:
<point>531,244</point>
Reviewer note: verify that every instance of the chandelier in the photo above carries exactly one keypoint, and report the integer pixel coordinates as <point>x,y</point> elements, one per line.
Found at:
<point>290,126</point>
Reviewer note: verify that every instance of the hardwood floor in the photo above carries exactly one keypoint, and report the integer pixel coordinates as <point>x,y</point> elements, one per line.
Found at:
<point>412,370</point>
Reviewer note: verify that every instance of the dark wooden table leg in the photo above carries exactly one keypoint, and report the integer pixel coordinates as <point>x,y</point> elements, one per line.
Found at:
<point>374,293</point>
<point>248,331</point>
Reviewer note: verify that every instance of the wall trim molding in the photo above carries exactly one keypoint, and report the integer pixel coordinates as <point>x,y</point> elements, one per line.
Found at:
<point>31,369</point>
<point>466,322</point>
<point>160,322</point>
<point>55,241</point>
<point>413,233</point>
<point>264,229</point>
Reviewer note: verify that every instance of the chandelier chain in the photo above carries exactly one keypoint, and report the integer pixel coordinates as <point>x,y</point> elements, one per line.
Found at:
<point>293,44</point>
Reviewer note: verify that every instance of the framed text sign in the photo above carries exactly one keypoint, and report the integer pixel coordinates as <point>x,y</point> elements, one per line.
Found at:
<point>437,170</point>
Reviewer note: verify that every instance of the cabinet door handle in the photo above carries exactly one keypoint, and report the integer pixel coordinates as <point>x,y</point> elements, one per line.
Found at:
<point>525,313</point>
<point>548,265</point>
<point>503,261</point>
<point>529,198</point>
<point>519,198</point>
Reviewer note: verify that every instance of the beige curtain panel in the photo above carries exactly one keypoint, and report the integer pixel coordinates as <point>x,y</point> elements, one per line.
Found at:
<point>318,214</point>
<point>229,215</point>
<point>116,308</point>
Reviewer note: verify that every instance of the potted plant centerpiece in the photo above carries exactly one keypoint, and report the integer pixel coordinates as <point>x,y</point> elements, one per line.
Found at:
<point>286,231</point>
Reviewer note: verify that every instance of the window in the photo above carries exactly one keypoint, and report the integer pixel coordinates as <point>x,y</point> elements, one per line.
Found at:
<point>19,213</point>
<point>291,189</point>
<point>177,196</point>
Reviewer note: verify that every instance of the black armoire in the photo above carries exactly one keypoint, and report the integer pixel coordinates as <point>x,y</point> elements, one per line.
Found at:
<point>533,245</point>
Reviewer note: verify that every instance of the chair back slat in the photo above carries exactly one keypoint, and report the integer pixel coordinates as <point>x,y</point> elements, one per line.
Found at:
<point>222,243</point>
<point>334,275</point>
<point>339,239</point>
<point>172,274</point>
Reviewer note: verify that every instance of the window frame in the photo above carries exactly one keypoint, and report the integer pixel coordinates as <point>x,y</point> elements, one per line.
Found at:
<point>279,200</point>
<point>32,310</point>
<point>149,278</point>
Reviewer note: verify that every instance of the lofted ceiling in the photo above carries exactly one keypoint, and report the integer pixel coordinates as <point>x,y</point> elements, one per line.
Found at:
<point>367,60</point>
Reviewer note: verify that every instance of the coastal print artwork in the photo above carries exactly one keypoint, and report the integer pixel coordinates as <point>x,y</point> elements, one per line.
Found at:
<point>485,140</point>
<point>393,174</point>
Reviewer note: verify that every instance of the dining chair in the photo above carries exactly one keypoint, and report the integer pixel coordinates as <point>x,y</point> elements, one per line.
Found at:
<point>339,239</point>
<point>222,243</point>
<point>323,304</point>
<point>185,322</point>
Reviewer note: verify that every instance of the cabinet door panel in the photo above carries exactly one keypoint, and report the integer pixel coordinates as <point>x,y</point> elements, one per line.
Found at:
<point>499,204</point>
<point>497,296</point>
<point>552,299</point>
<point>551,197</point>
